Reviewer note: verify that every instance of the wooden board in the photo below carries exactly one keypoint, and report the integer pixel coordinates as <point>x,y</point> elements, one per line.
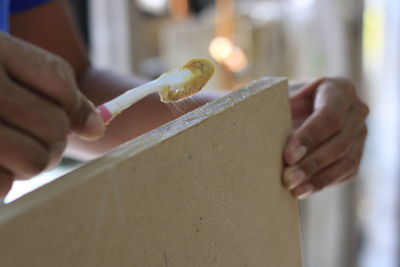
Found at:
<point>203,190</point>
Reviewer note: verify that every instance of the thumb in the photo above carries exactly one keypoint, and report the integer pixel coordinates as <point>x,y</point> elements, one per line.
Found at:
<point>302,101</point>
<point>86,122</point>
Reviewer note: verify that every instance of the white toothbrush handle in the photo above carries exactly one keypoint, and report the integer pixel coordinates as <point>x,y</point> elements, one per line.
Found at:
<point>115,106</point>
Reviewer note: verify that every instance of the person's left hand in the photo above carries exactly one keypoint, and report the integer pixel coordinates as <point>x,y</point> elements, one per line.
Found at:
<point>329,133</point>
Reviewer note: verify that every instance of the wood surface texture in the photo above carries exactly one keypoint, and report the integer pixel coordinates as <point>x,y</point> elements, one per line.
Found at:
<point>202,190</point>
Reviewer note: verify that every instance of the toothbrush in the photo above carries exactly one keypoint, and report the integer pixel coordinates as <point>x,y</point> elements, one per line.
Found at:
<point>171,86</point>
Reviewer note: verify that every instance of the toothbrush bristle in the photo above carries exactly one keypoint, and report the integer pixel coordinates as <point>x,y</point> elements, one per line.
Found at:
<point>187,80</point>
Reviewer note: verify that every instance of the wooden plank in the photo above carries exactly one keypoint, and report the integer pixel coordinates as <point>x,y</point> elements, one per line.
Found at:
<point>203,190</point>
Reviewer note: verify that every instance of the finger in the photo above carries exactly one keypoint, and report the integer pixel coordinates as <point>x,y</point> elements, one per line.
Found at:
<point>345,178</point>
<point>303,190</point>
<point>6,181</point>
<point>86,121</point>
<point>335,148</point>
<point>327,119</point>
<point>336,173</point>
<point>348,166</point>
<point>35,116</point>
<point>339,171</point>
<point>46,73</point>
<point>52,77</point>
<point>301,109</point>
<point>301,102</point>
<point>21,154</point>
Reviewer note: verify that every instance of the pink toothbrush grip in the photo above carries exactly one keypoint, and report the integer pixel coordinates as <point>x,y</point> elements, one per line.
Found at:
<point>105,114</point>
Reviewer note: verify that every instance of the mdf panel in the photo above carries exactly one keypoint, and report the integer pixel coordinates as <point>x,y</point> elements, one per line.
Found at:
<point>202,190</point>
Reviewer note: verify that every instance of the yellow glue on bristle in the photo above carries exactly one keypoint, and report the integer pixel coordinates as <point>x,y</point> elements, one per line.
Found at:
<point>202,70</point>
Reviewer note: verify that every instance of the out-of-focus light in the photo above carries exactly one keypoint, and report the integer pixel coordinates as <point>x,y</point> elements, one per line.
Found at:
<point>220,48</point>
<point>237,60</point>
<point>225,52</point>
<point>153,6</point>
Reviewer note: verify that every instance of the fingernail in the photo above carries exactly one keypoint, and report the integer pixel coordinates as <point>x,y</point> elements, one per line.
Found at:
<point>298,153</point>
<point>94,127</point>
<point>294,177</point>
<point>305,191</point>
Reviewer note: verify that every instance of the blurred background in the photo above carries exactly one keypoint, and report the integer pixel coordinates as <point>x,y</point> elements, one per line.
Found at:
<point>356,224</point>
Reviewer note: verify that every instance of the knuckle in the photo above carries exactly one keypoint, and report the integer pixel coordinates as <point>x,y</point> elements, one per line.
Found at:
<point>58,143</point>
<point>334,121</point>
<point>364,110</point>
<point>5,182</point>
<point>348,177</point>
<point>310,166</point>
<point>309,140</point>
<point>38,161</point>
<point>352,164</point>
<point>61,67</point>
<point>82,113</point>
<point>58,126</point>
<point>345,84</point>
<point>364,131</point>
<point>342,147</point>
<point>63,80</point>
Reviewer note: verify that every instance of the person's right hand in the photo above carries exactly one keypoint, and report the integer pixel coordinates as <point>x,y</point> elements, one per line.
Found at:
<point>40,104</point>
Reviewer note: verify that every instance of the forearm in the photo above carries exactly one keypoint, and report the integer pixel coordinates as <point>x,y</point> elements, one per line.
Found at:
<point>145,115</point>
<point>103,85</point>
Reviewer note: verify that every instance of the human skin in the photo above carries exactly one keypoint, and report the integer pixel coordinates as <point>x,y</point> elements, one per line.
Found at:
<point>329,134</point>
<point>325,147</point>
<point>40,103</point>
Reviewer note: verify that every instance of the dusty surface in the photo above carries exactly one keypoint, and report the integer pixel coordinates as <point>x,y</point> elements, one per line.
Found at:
<point>203,190</point>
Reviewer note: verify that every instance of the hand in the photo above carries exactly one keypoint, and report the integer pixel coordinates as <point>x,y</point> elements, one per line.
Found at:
<point>327,143</point>
<point>39,105</point>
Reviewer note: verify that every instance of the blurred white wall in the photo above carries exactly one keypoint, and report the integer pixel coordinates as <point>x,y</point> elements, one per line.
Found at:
<point>379,209</point>
<point>110,34</point>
